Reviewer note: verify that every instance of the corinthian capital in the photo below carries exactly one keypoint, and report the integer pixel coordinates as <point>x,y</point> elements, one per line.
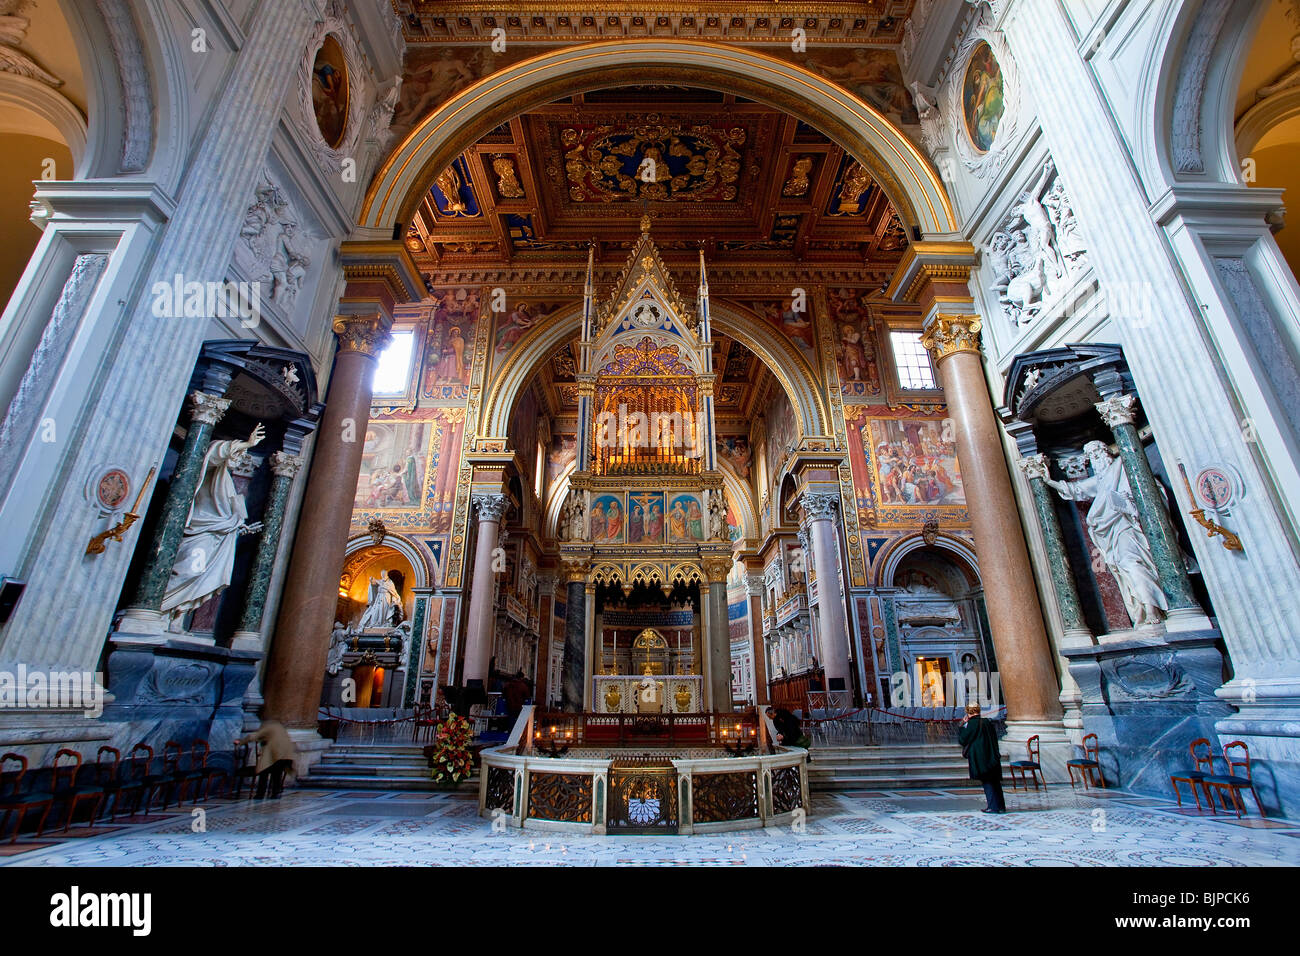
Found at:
<point>1118,410</point>
<point>490,507</point>
<point>285,464</point>
<point>364,334</point>
<point>1034,466</point>
<point>207,409</point>
<point>820,506</point>
<point>949,334</point>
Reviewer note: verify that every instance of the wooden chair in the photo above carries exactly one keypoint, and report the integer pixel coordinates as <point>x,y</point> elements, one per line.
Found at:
<point>1233,782</point>
<point>1195,778</point>
<point>108,777</point>
<point>13,798</point>
<point>170,781</point>
<point>1032,766</point>
<point>137,770</point>
<point>200,775</point>
<point>67,789</point>
<point>243,770</point>
<point>1088,764</point>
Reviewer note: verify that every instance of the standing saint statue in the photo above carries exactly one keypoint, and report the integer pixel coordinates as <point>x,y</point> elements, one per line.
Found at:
<point>384,609</point>
<point>205,560</point>
<point>1116,530</point>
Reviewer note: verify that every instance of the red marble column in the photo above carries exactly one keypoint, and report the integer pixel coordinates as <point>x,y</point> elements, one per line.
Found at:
<point>295,670</point>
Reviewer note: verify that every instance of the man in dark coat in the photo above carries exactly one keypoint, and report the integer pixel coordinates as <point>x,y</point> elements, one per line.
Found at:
<point>979,745</point>
<point>789,732</point>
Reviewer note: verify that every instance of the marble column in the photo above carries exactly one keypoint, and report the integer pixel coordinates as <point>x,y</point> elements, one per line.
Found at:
<point>145,616</point>
<point>758,646</point>
<point>1118,412</point>
<point>1029,679</point>
<point>284,467</point>
<point>478,644</point>
<point>1076,630</point>
<point>719,637</point>
<point>295,670</point>
<point>834,631</point>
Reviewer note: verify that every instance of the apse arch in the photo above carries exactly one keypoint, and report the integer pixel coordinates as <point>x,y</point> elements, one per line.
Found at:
<point>902,171</point>
<point>772,347</point>
<point>959,551</point>
<point>403,546</point>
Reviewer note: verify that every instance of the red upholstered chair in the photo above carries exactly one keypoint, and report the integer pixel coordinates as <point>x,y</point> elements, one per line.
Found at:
<point>12,796</point>
<point>1232,781</point>
<point>1203,766</point>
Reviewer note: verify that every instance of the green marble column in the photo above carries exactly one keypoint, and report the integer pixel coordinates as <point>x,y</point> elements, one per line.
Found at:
<point>1067,596</point>
<point>284,467</point>
<point>205,411</point>
<point>1118,413</point>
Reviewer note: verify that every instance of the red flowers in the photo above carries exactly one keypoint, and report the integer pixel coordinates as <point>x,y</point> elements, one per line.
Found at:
<point>451,759</point>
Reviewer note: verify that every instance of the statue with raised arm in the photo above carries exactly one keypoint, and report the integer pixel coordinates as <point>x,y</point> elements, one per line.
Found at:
<point>206,557</point>
<point>1116,530</point>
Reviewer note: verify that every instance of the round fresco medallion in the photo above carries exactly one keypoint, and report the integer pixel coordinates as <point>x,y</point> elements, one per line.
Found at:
<point>112,488</point>
<point>981,97</point>
<point>329,92</point>
<point>1216,487</point>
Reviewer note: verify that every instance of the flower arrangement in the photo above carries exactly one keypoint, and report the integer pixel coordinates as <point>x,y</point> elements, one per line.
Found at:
<point>450,759</point>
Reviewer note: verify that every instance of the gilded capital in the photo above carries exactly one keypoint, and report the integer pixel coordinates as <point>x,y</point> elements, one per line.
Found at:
<point>1034,466</point>
<point>285,464</point>
<point>207,409</point>
<point>364,334</point>
<point>717,568</point>
<point>949,334</point>
<point>1118,410</point>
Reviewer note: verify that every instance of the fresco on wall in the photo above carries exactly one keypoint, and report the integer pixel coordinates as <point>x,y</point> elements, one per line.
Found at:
<point>393,464</point>
<point>645,521</point>
<point>434,74</point>
<point>735,451</point>
<point>856,350</point>
<point>608,522</point>
<point>981,97</point>
<point>449,346</point>
<point>329,92</point>
<point>904,465</point>
<point>782,434</point>
<point>870,72</point>
<point>562,453</point>
<point>796,323</point>
<point>685,520</point>
<point>517,321</point>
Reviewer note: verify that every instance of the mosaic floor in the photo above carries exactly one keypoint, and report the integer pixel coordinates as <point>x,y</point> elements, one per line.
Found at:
<point>909,828</point>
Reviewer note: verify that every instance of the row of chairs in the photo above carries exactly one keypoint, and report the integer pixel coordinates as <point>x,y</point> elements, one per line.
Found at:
<point>1088,766</point>
<point>1202,778</point>
<point>116,784</point>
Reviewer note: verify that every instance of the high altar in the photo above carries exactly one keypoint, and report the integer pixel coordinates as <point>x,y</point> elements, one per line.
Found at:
<point>644,545</point>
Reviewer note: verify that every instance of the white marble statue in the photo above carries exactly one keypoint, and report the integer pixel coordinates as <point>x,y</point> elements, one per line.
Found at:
<point>576,516</point>
<point>384,607</point>
<point>206,557</point>
<point>1116,530</point>
<point>338,645</point>
<point>717,516</point>
<point>918,601</point>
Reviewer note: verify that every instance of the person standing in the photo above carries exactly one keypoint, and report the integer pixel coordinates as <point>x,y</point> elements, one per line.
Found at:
<point>979,745</point>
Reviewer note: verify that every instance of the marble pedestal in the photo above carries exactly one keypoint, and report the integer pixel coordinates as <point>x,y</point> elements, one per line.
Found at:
<point>1147,698</point>
<point>178,690</point>
<point>1268,722</point>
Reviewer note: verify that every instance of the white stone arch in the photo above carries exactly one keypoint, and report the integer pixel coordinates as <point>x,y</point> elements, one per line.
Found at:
<point>31,108</point>
<point>899,167</point>
<point>776,351</point>
<point>403,546</point>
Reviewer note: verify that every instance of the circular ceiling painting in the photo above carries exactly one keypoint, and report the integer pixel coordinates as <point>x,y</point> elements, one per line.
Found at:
<point>329,92</point>
<point>981,97</point>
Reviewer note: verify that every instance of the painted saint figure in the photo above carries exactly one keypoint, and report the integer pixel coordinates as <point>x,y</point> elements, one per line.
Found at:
<point>654,525</point>
<point>636,525</point>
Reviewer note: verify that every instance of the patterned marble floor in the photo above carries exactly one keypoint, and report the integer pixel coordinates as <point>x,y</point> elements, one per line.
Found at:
<point>909,828</point>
